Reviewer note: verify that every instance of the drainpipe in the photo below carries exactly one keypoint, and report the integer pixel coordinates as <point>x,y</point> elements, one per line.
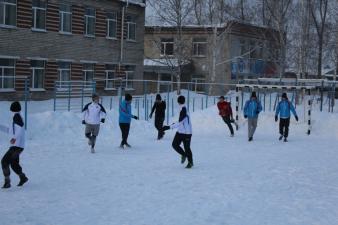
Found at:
<point>122,37</point>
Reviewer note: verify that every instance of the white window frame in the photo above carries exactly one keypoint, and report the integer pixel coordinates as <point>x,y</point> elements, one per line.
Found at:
<point>60,70</point>
<point>129,23</point>
<point>109,79</point>
<point>34,8</point>
<point>4,15</point>
<point>129,87</point>
<point>114,20</point>
<point>33,77</point>
<point>62,13</point>
<point>2,77</point>
<point>198,43</point>
<point>86,22</point>
<point>165,43</point>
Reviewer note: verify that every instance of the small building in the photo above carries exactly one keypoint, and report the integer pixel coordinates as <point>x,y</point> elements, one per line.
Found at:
<point>231,51</point>
<point>69,40</point>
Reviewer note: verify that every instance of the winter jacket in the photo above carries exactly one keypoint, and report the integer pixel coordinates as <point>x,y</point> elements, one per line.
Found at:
<point>16,130</point>
<point>252,108</point>
<point>283,109</point>
<point>224,109</point>
<point>125,112</point>
<point>93,113</point>
<point>160,109</point>
<point>184,123</point>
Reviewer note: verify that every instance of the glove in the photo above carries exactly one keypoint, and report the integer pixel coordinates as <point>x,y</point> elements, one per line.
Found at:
<point>164,128</point>
<point>296,118</point>
<point>135,117</point>
<point>103,120</point>
<point>245,116</point>
<point>276,118</point>
<point>150,116</point>
<point>83,122</point>
<point>257,112</point>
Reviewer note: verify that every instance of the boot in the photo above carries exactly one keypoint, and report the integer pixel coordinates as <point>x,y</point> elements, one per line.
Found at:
<point>183,158</point>
<point>128,145</point>
<point>23,179</point>
<point>281,137</point>
<point>190,164</point>
<point>285,139</point>
<point>7,183</point>
<point>250,138</point>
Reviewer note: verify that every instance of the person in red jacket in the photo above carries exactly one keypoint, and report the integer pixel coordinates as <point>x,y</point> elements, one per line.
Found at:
<point>225,111</point>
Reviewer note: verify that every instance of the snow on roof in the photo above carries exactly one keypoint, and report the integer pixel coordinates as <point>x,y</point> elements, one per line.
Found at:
<point>135,2</point>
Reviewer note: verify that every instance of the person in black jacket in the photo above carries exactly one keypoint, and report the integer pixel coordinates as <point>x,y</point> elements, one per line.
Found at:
<point>160,107</point>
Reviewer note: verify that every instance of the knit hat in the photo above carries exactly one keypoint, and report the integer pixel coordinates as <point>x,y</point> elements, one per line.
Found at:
<point>284,95</point>
<point>128,97</point>
<point>15,107</point>
<point>94,95</point>
<point>181,99</point>
<point>221,97</point>
<point>253,94</point>
<point>158,97</point>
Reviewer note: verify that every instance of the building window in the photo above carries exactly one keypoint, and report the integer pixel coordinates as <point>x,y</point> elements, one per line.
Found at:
<point>65,23</point>
<point>7,73</point>
<point>88,72</point>
<point>39,15</point>
<point>64,74</point>
<point>110,76</point>
<point>90,22</point>
<point>131,28</point>
<point>38,74</point>
<point>130,71</point>
<point>242,47</point>
<point>8,12</point>
<point>199,47</point>
<point>111,25</point>
<point>253,50</point>
<point>167,47</point>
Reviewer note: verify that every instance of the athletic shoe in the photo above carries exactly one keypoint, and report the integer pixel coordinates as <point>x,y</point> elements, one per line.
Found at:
<point>128,145</point>
<point>281,137</point>
<point>7,183</point>
<point>189,165</point>
<point>183,158</point>
<point>23,179</point>
<point>285,140</point>
<point>250,138</point>
<point>92,150</point>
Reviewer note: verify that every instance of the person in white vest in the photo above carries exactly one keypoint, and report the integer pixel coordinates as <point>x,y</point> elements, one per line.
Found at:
<point>12,156</point>
<point>183,134</point>
<point>93,114</point>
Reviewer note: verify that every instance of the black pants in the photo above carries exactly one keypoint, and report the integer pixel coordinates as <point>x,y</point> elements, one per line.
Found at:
<point>284,127</point>
<point>227,121</point>
<point>125,132</point>
<point>186,139</point>
<point>11,158</point>
<point>159,125</point>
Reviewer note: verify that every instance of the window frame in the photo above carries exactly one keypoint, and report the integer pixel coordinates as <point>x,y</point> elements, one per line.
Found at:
<point>62,13</point>
<point>3,77</point>
<point>114,20</point>
<point>165,43</point>
<point>131,21</point>
<point>127,72</point>
<point>198,43</point>
<point>86,19</point>
<point>60,70</point>
<point>34,17</point>
<point>33,70</point>
<point>4,25</point>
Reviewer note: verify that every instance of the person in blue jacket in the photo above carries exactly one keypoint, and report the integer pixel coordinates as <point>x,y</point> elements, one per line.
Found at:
<point>125,117</point>
<point>283,110</point>
<point>252,109</point>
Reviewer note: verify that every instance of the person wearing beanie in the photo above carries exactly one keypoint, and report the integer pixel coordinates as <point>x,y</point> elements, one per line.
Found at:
<point>252,109</point>
<point>93,114</point>
<point>225,111</point>
<point>159,108</point>
<point>283,110</point>
<point>125,116</point>
<point>12,156</point>
<point>183,134</point>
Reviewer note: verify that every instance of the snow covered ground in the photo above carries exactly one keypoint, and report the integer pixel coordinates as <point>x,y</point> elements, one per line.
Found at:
<point>233,182</point>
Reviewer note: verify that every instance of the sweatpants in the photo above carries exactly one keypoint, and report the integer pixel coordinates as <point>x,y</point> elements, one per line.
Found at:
<point>284,126</point>
<point>159,125</point>
<point>12,158</point>
<point>91,132</point>
<point>252,124</point>
<point>125,132</point>
<point>186,139</point>
<point>227,121</point>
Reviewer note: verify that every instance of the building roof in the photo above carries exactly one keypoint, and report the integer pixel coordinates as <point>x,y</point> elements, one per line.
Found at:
<point>135,2</point>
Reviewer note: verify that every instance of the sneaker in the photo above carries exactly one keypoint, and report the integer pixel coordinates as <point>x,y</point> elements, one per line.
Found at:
<point>121,146</point>
<point>183,158</point>
<point>23,179</point>
<point>7,183</point>
<point>281,137</point>
<point>285,140</point>
<point>189,165</point>
<point>250,138</point>
<point>92,150</point>
<point>232,135</point>
<point>128,145</point>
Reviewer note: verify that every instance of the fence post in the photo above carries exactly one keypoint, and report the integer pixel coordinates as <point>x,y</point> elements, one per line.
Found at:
<point>168,90</point>
<point>26,98</point>
<point>321,96</point>
<point>145,100</point>
<point>111,102</point>
<point>309,111</point>
<point>55,96</point>
<point>188,96</point>
<point>193,104</point>
<point>69,90</point>
<point>138,107</point>
<point>202,103</point>
<point>82,93</point>
<point>172,106</point>
<point>237,106</point>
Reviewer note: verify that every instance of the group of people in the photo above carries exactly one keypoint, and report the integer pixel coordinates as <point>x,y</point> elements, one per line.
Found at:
<point>252,109</point>
<point>94,114</point>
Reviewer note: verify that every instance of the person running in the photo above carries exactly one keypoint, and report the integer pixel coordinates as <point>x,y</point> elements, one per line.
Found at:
<point>93,114</point>
<point>252,109</point>
<point>125,116</point>
<point>225,111</point>
<point>159,109</point>
<point>183,134</point>
<point>283,110</point>
<point>12,156</point>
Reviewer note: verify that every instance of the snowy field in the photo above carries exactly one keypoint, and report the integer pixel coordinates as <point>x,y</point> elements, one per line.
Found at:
<point>233,182</point>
